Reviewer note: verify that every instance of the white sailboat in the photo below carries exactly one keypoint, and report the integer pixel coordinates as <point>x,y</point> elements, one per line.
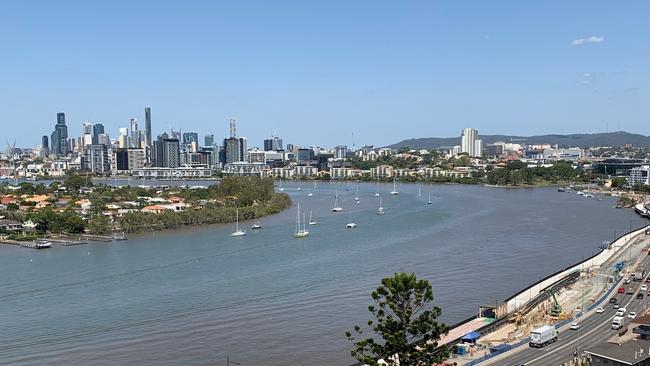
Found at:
<point>301,231</point>
<point>237,231</point>
<point>356,195</point>
<point>380,209</point>
<point>394,191</point>
<point>281,188</point>
<point>429,202</point>
<point>350,224</point>
<point>311,220</point>
<point>336,207</point>
<point>419,191</point>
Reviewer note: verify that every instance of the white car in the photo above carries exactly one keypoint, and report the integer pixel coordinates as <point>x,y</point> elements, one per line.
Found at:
<point>631,315</point>
<point>575,326</point>
<point>644,287</point>
<point>600,309</point>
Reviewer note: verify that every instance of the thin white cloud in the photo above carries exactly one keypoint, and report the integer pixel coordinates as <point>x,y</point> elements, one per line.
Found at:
<point>585,40</point>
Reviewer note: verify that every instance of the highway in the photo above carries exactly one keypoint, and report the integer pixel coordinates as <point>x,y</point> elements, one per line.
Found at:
<point>594,328</point>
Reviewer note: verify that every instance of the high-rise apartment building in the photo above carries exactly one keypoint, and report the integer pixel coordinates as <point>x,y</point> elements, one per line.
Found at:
<point>470,143</point>
<point>95,159</point>
<point>166,152</point>
<point>147,126</point>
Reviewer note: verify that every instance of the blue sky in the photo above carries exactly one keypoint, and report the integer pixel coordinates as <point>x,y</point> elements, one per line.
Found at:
<point>318,71</point>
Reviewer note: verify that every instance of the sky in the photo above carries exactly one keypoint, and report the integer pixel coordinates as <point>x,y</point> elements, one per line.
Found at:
<point>321,72</point>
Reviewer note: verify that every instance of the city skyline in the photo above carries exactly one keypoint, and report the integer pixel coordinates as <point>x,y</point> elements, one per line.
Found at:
<point>428,68</point>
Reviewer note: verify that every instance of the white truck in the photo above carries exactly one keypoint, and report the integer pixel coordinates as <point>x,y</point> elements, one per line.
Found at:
<point>543,336</point>
<point>617,322</point>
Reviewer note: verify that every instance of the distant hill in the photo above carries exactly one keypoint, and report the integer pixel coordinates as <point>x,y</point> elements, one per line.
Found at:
<point>614,139</point>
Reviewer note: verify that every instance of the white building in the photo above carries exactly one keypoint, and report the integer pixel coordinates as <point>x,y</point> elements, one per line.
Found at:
<point>639,175</point>
<point>470,143</point>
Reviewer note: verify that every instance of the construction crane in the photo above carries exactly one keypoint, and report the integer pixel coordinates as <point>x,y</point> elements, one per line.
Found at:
<point>555,309</point>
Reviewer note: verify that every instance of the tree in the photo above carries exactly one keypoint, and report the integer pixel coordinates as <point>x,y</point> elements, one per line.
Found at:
<point>406,322</point>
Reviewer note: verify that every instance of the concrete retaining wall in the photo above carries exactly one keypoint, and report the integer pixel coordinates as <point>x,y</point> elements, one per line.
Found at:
<point>598,259</point>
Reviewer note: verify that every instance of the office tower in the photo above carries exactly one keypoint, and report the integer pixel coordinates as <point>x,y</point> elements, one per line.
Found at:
<point>234,148</point>
<point>59,137</point>
<point>341,152</point>
<point>273,144</point>
<point>123,138</point>
<point>208,140</point>
<point>137,136</point>
<point>190,137</point>
<point>87,135</point>
<point>147,126</point>
<point>305,155</point>
<point>98,129</point>
<point>45,146</point>
<point>166,152</point>
<point>469,143</point>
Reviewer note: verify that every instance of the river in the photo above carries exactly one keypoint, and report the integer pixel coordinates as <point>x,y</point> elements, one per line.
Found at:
<point>196,296</point>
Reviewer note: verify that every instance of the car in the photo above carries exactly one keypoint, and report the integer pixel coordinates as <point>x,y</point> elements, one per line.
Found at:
<point>621,290</point>
<point>613,300</point>
<point>639,295</point>
<point>631,315</point>
<point>644,287</point>
<point>648,278</point>
<point>621,312</point>
<point>616,306</point>
<point>648,294</point>
<point>630,291</point>
<point>575,326</point>
<point>600,309</point>
<point>626,280</point>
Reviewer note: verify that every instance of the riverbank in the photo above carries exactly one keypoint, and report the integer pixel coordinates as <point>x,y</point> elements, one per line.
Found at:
<point>140,222</point>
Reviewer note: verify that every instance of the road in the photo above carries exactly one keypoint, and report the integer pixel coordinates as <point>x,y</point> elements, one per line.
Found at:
<point>594,328</point>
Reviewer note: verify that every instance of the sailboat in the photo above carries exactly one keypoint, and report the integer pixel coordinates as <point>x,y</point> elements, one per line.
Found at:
<point>429,202</point>
<point>350,224</point>
<point>301,231</point>
<point>336,207</point>
<point>356,196</point>
<point>237,231</point>
<point>419,191</point>
<point>380,209</point>
<point>311,220</point>
<point>281,188</point>
<point>394,191</point>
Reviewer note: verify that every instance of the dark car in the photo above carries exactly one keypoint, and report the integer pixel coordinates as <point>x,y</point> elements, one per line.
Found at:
<point>639,296</point>
<point>612,300</point>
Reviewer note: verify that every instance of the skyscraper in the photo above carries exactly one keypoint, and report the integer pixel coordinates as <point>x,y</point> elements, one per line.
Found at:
<point>189,137</point>
<point>273,144</point>
<point>470,143</point>
<point>59,137</point>
<point>98,129</point>
<point>208,140</point>
<point>147,126</point>
<point>166,152</point>
<point>234,148</point>
<point>45,146</point>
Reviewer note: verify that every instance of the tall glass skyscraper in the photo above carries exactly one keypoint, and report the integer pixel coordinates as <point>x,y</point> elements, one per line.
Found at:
<point>147,126</point>
<point>59,138</point>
